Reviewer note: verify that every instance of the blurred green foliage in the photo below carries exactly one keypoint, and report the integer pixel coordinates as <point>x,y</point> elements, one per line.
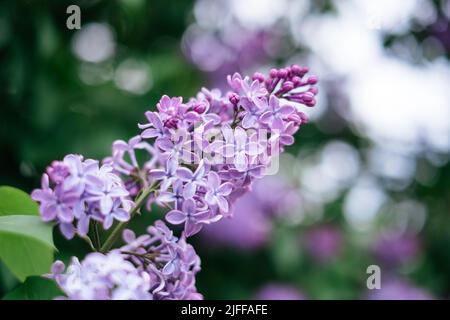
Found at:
<point>47,111</point>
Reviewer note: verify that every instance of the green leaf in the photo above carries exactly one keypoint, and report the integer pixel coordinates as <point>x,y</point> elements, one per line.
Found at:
<point>35,288</point>
<point>14,201</point>
<point>28,227</point>
<point>26,243</point>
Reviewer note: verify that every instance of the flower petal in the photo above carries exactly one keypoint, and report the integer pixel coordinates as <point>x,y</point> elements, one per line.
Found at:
<point>192,228</point>
<point>175,217</point>
<point>223,204</point>
<point>106,205</point>
<point>184,174</point>
<point>213,180</point>
<point>225,189</point>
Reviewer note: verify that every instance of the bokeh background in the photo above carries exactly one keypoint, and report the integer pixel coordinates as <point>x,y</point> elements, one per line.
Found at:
<point>367,182</point>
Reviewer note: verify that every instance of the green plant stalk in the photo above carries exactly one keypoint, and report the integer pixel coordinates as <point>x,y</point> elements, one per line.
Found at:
<point>97,240</point>
<point>115,234</point>
<point>89,242</point>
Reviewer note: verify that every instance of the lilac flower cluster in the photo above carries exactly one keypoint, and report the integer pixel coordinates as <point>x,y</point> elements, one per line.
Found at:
<point>102,277</point>
<point>207,151</point>
<point>203,155</point>
<point>171,262</point>
<point>75,191</point>
<point>154,266</point>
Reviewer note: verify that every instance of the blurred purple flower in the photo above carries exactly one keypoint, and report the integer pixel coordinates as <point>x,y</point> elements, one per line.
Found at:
<point>277,291</point>
<point>323,243</point>
<point>248,229</point>
<point>253,213</point>
<point>394,249</point>
<point>397,289</point>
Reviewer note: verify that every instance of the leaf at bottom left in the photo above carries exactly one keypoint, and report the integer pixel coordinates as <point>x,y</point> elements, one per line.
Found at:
<point>34,288</point>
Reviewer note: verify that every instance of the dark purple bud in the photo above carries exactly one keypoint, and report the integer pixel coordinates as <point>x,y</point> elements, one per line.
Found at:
<point>273,73</point>
<point>314,90</point>
<point>303,117</point>
<point>312,80</point>
<point>305,70</point>
<point>294,118</point>
<point>308,97</point>
<point>258,76</point>
<point>234,98</point>
<point>57,171</point>
<point>296,69</point>
<point>287,86</point>
<point>282,73</point>
<point>297,81</point>
<point>312,103</point>
<point>171,123</point>
<point>199,108</point>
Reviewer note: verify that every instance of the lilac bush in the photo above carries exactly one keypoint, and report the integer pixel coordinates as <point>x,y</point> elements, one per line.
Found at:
<point>200,157</point>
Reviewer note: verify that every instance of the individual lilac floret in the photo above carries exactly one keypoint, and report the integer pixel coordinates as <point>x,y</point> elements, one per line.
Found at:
<point>171,262</point>
<point>102,277</point>
<point>217,191</point>
<point>192,179</point>
<point>239,146</point>
<point>125,164</point>
<point>154,128</point>
<point>192,218</point>
<point>167,176</point>
<point>276,113</point>
<point>76,191</point>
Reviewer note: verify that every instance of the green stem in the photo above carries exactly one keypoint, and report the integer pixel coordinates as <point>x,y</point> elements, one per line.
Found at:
<point>115,234</point>
<point>89,242</point>
<point>97,240</point>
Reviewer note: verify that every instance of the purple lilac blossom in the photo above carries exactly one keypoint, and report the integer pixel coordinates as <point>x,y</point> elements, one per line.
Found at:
<point>211,127</point>
<point>154,266</point>
<point>75,191</point>
<point>249,228</point>
<point>277,291</point>
<point>217,52</point>
<point>396,249</point>
<point>102,277</point>
<point>171,262</point>
<point>125,164</point>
